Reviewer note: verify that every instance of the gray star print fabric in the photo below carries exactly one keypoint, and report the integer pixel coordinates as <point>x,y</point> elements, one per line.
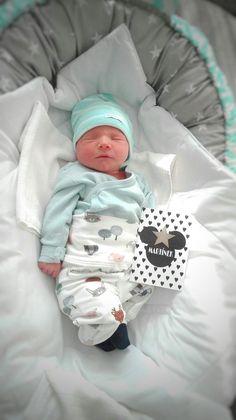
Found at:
<point>48,36</point>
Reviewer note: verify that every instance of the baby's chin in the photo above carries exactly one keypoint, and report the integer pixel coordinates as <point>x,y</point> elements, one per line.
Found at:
<point>104,167</point>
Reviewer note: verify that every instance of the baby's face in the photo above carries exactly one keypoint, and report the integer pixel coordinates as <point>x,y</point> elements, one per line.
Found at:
<point>103,148</point>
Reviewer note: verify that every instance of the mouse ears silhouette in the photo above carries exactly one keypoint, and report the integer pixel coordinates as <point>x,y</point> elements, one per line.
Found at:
<point>173,240</point>
<point>161,245</point>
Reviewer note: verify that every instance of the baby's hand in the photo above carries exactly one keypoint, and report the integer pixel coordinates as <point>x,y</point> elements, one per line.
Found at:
<point>52,269</point>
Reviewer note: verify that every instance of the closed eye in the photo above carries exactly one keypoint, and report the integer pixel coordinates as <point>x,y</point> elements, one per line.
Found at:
<point>118,138</point>
<point>88,139</point>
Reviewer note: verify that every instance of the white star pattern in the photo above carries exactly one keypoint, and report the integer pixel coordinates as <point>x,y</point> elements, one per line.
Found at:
<point>96,37</point>
<point>202,128</point>
<point>199,116</point>
<point>155,52</point>
<point>151,19</point>
<point>6,56</point>
<point>48,32</point>
<point>174,115</point>
<point>61,63</point>
<point>190,89</point>
<point>163,237</point>
<point>166,89</point>
<point>34,48</point>
<point>5,83</point>
<point>175,41</point>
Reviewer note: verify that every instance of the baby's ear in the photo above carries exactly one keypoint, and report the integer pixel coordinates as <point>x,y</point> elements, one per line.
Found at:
<point>178,241</point>
<point>147,235</point>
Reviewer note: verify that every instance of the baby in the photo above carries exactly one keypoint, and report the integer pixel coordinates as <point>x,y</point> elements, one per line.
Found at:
<point>90,224</point>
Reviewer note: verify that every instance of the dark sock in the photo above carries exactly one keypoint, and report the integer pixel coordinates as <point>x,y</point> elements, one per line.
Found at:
<point>120,337</point>
<point>106,345</point>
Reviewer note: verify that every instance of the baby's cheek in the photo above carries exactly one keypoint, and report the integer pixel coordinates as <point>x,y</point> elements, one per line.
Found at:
<point>84,154</point>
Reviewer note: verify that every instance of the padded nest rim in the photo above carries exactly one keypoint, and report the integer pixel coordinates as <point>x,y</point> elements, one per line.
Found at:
<point>153,32</point>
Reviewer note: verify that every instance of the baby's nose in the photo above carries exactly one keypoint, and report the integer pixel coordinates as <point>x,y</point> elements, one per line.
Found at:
<point>104,143</point>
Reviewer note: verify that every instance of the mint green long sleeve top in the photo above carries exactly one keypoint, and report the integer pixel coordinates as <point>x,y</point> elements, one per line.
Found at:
<point>80,190</point>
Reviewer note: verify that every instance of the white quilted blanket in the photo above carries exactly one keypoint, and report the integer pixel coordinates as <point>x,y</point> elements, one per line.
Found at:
<point>181,364</point>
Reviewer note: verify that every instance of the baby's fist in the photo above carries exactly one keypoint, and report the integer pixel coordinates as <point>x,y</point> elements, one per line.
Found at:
<point>52,269</point>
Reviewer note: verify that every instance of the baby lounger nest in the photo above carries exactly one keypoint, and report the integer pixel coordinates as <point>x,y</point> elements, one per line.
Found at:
<point>184,75</point>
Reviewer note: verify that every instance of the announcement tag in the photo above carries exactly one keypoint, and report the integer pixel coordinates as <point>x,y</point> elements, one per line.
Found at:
<point>161,251</point>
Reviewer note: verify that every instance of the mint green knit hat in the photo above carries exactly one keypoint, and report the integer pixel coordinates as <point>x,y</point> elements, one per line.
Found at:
<point>100,109</point>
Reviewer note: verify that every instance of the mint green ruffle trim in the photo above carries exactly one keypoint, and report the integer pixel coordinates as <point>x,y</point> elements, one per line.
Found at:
<point>199,41</point>
<point>12,9</point>
<point>168,6</point>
